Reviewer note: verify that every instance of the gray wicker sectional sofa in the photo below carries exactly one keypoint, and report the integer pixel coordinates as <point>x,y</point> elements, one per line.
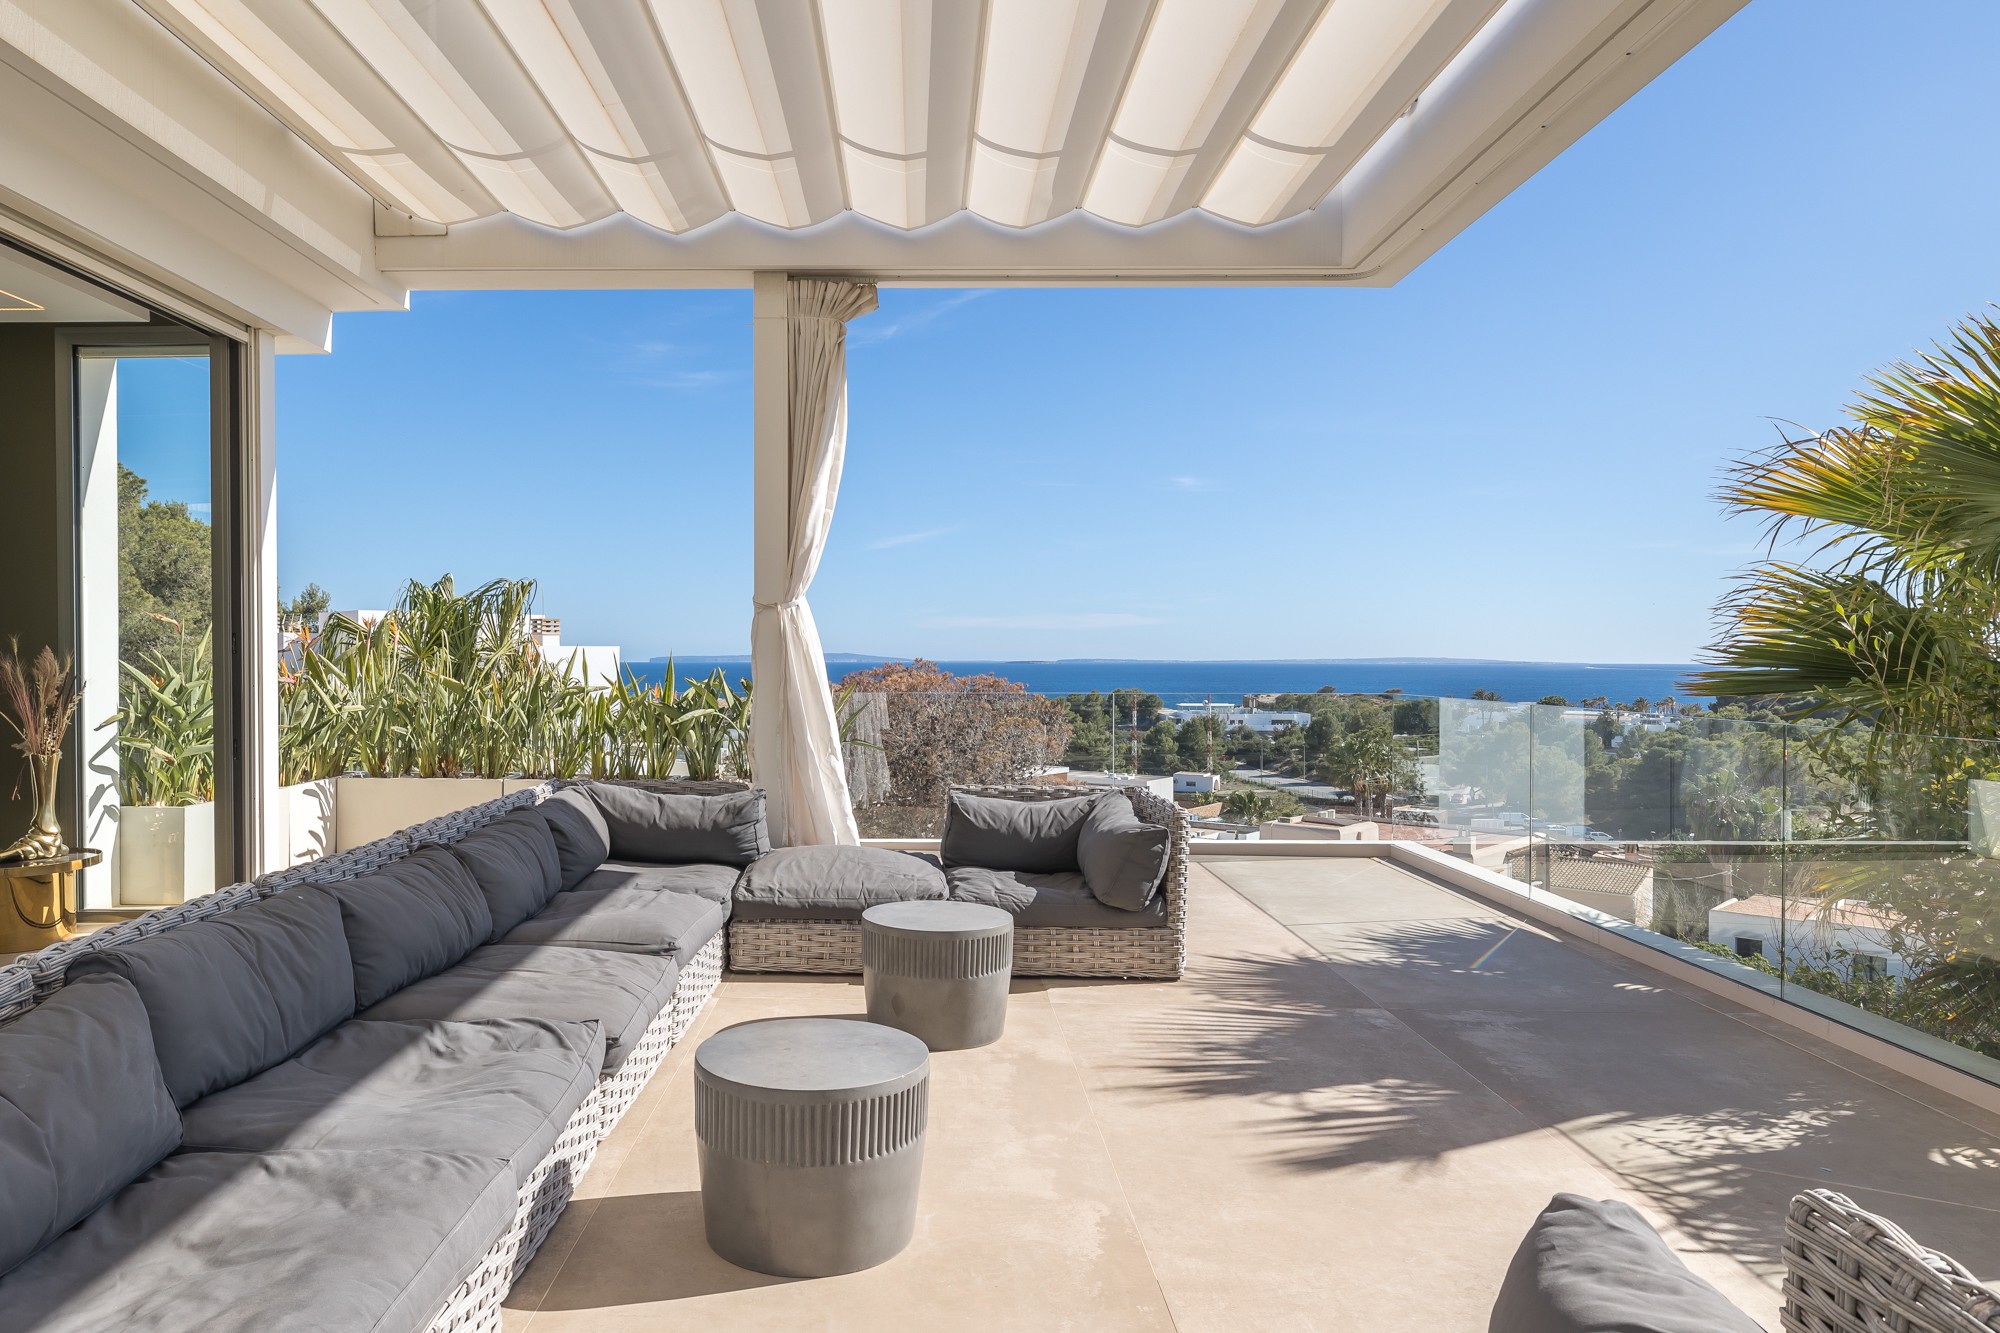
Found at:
<point>355,1094</point>
<point>1096,883</point>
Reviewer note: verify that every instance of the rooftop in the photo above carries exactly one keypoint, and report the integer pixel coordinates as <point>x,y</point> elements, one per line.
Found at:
<point>1345,1117</point>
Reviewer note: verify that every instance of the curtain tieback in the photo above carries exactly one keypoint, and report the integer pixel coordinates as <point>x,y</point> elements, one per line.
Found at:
<point>776,606</point>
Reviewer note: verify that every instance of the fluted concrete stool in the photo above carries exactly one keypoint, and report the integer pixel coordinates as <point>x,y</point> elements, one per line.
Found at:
<point>812,1143</point>
<point>938,970</point>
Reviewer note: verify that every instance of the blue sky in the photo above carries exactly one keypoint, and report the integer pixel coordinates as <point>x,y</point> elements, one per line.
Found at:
<point>1511,454</point>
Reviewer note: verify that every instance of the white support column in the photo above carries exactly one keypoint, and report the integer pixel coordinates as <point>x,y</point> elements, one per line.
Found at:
<point>770,360</point>
<point>771,475</point>
<point>262,810</point>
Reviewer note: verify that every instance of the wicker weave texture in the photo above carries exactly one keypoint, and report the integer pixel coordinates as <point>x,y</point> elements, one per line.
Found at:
<point>1849,1271</point>
<point>475,1307</point>
<point>834,947</point>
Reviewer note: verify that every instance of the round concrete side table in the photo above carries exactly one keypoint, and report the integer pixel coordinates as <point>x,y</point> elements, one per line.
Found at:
<point>812,1143</point>
<point>938,970</point>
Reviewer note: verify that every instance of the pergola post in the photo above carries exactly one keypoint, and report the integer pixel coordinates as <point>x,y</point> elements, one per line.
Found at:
<point>770,362</point>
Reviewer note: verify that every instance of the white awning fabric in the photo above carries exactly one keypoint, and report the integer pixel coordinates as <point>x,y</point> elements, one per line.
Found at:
<point>893,116</point>
<point>276,161</point>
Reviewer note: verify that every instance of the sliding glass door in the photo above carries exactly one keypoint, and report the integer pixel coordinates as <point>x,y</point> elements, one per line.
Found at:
<point>146,560</point>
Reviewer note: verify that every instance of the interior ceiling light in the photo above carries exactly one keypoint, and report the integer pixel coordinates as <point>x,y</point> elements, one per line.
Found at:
<point>10,302</point>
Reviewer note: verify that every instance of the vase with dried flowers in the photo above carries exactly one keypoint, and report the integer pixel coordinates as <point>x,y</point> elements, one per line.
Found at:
<point>38,702</point>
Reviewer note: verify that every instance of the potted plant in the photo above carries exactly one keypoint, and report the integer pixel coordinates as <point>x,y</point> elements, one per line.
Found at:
<point>37,703</point>
<point>166,777</point>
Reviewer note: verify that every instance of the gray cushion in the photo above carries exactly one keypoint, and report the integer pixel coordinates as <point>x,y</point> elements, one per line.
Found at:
<point>231,996</point>
<point>833,883</point>
<point>1048,900</point>
<point>630,920</point>
<point>514,861</point>
<point>82,1110</point>
<point>582,840</point>
<point>1595,1266</point>
<point>621,992</point>
<point>409,920</point>
<point>1000,834</point>
<point>1123,858</point>
<point>657,826</point>
<point>502,1088</point>
<point>715,883</point>
<point>270,1243</point>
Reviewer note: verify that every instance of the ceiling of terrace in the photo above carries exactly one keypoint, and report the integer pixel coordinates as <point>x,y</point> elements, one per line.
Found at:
<point>1301,138</point>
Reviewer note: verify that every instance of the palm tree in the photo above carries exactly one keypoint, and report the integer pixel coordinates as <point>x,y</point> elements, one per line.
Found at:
<point>1894,615</point>
<point>1371,763</point>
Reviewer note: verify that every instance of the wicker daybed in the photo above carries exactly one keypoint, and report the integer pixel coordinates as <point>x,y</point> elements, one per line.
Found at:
<point>475,1307</point>
<point>833,946</point>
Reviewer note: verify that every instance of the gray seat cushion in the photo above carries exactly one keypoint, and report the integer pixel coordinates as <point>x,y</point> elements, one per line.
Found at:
<point>833,883</point>
<point>671,828</point>
<point>1039,837</point>
<point>514,862</point>
<point>82,1110</point>
<point>409,920</point>
<point>1596,1266</point>
<point>502,1088</point>
<point>621,992</point>
<point>1123,858</point>
<point>628,919</point>
<point>231,996</point>
<point>715,883</point>
<point>1049,900</point>
<point>270,1243</point>
<point>582,839</point>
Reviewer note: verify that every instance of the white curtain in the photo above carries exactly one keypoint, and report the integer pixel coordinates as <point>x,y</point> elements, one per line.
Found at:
<point>794,735</point>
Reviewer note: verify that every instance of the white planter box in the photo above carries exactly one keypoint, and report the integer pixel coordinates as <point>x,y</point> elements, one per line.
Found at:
<point>166,854</point>
<point>306,822</point>
<point>369,808</point>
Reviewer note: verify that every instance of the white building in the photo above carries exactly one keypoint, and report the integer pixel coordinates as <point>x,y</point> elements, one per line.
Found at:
<point>1840,935</point>
<point>1162,787</point>
<point>1233,716</point>
<point>1199,784</point>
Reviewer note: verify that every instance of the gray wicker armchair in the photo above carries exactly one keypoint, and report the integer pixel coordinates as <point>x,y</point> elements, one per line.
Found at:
<point>1849,1271</point>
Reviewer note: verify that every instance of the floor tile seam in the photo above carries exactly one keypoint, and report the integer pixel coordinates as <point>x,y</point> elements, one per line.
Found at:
<point>1829,1182</point>
<point>1415,1035</point>
<point>1386,920</point>
<point>563,1263</point>
<point>1873,1080</point>
<point>1111,1161</point>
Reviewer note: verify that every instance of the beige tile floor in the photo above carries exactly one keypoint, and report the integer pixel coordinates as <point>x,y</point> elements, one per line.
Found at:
<point>1343,1118</point>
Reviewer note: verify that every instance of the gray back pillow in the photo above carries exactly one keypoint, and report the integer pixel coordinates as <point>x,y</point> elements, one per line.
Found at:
<point>671,829</point>
<point>231,996</point>
<point>409,920</point>
<point>1123,858</point>
<point>1596,1266</point>
<point>583,843</point>
<point>995,833</point>
<point>515,863</point>
<point>82,1110</point>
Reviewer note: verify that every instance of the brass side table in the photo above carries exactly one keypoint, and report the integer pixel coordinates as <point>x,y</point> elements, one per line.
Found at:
<point>39,907</point>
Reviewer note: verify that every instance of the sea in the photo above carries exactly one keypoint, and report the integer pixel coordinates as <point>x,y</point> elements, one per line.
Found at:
<point>1189,682</point>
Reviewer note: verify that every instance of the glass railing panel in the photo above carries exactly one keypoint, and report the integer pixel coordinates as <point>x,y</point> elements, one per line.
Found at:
<point>1889,909</point>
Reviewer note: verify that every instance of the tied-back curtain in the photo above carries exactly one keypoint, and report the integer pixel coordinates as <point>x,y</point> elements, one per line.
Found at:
<point>794,734</point>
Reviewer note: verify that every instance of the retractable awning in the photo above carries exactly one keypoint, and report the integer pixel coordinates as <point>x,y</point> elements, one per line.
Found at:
<point>498,143</point>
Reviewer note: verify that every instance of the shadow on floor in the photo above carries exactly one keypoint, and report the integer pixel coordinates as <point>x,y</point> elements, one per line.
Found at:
<point>646,1248</point>
<point>1450,1044</point>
